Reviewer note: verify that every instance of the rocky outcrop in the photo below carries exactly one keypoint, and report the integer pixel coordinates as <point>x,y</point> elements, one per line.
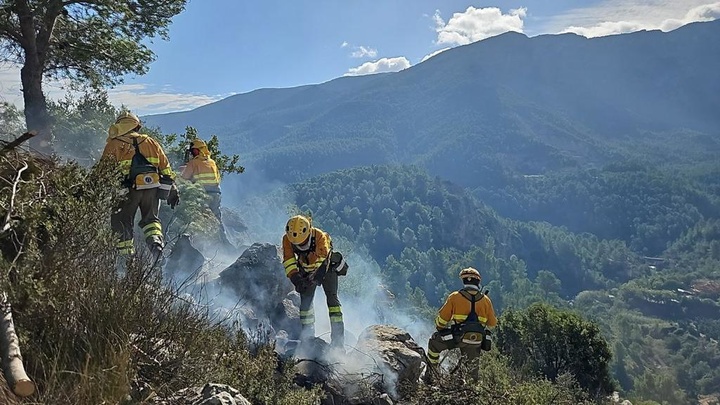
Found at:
<point>258,280</point>
<point>394,354</point>
<point>184,259</point>
<point>210,394</point>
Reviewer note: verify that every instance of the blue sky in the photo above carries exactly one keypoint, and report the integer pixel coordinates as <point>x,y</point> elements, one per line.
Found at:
<point>222,47</point>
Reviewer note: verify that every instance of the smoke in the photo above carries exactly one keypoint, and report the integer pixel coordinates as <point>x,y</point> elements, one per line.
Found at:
<point>364,298</point>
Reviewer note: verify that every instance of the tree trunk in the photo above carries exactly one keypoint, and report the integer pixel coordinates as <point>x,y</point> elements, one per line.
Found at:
<point>11,357</point>
<point>37,117</point>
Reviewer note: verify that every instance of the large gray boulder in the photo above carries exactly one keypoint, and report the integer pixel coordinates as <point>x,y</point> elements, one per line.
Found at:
<point>184,259</point>
<point>393,353</point>
<point>258,279</point>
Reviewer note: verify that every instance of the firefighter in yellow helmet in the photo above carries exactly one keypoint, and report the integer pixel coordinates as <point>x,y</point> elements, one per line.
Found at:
<point>309,261</point>
<point>462,322</point>
<point>148,178</point>
<point>202,169</point>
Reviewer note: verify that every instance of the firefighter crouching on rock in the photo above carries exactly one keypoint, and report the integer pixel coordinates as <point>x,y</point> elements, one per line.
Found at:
<point>202,169</point>
<point>148,178</point>
<point>309,261</point>
<point>462,322</point>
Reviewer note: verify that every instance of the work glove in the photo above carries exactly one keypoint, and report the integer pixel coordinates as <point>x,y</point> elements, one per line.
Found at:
<point>301,283</point>
<point>173,198</point>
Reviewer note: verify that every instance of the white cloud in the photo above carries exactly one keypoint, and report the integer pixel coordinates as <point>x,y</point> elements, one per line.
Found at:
<point>140,98</point>
<point>344,44</point>
<point>426,57</point>
<point>619,17</point>
<point>475,24</point>
<point>361,52</point>
<point>380,66</point>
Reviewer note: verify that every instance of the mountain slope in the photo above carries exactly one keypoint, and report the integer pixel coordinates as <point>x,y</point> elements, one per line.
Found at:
<point>473,113</point>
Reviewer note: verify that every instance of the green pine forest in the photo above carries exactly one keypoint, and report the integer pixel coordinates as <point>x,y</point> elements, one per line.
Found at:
<point>634,249</point>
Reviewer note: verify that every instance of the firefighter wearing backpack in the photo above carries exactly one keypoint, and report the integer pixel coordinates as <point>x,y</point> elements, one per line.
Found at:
<point>309,261</point>
<point>148,178</point>
<point>202,169</point>
<point>463,321</point>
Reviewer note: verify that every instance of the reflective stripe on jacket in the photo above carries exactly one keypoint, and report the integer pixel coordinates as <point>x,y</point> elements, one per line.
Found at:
<point>203,170</point>
<point>122,150</point>
<point>457,308</point>
<point>310,261</point>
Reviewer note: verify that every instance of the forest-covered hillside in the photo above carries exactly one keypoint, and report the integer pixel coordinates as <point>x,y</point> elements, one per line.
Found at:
<point>660,313</point>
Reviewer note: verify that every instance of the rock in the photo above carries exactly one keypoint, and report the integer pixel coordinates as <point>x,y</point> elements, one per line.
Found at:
<point>210,394</point>
<point>626,402</point>
<point>258,278</point>
<point>383,399</point>
<point>396,356</point>
<point>184,259</point>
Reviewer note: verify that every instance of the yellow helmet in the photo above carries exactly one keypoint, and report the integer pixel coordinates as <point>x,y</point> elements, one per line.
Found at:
<point>124,123</point>
<point>201,146</point>
<point>470,273</point>
<point>298,229</point>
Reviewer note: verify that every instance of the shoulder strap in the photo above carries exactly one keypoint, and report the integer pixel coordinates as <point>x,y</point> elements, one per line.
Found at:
<point>473,298</point>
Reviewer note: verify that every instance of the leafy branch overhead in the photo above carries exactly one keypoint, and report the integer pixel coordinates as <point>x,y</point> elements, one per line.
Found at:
<point>94,41</point>
<point>91,43</point>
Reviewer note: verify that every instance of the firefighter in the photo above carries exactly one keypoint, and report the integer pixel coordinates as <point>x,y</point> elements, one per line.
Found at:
<point>148,179</point>
<point>202,169</point>
<point>309,261</point>
<point>462,322</point>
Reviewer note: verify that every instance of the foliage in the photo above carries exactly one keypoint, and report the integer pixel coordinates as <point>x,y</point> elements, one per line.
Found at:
<point>11,123</point>
<point>80,125</point>
<point>176,148</point>
<point>92,43</point>
<point>552,342</point>
<point>497,382</point>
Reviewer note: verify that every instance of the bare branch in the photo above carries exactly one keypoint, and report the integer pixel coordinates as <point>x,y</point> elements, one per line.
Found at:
<point>6,223</point>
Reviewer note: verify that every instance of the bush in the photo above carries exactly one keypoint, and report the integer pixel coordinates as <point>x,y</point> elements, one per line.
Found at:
<point>552,342</point>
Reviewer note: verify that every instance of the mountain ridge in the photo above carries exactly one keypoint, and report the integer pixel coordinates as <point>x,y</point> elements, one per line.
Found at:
<point>510,103</point>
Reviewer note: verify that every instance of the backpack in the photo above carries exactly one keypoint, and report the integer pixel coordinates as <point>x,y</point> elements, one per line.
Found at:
<point>143,174</point>
<point>471,331</point>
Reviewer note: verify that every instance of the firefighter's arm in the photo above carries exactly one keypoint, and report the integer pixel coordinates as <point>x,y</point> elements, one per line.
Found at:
<point>110,151</point>
<point>163,162</point>
<point>322,247</point>
<point>445,314</point>
<point>289,260</point>
<point>491,319</point>
<point>189,170</point>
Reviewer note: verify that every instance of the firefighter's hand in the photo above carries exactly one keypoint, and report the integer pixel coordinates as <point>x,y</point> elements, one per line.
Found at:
<point>300,283</point>
<point>173,198</point>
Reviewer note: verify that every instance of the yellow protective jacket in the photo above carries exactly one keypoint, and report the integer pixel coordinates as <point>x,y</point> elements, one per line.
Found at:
<point>122,150</point>
<point>310,260</point>
<point>457,309</point>
<point>203,170</point>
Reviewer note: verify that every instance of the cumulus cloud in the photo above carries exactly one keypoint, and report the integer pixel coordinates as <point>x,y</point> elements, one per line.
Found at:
<point>362,52</point>
<point>380,66</point>
<point>141,98</point>
<point>344,44</point>
<point>613,17</point>
<point>475,24</point>
<point>426,57</point>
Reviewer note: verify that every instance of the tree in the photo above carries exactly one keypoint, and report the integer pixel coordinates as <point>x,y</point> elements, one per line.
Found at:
<point>553,341</point>
<point>175,147</point>
<point>92,43</point>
